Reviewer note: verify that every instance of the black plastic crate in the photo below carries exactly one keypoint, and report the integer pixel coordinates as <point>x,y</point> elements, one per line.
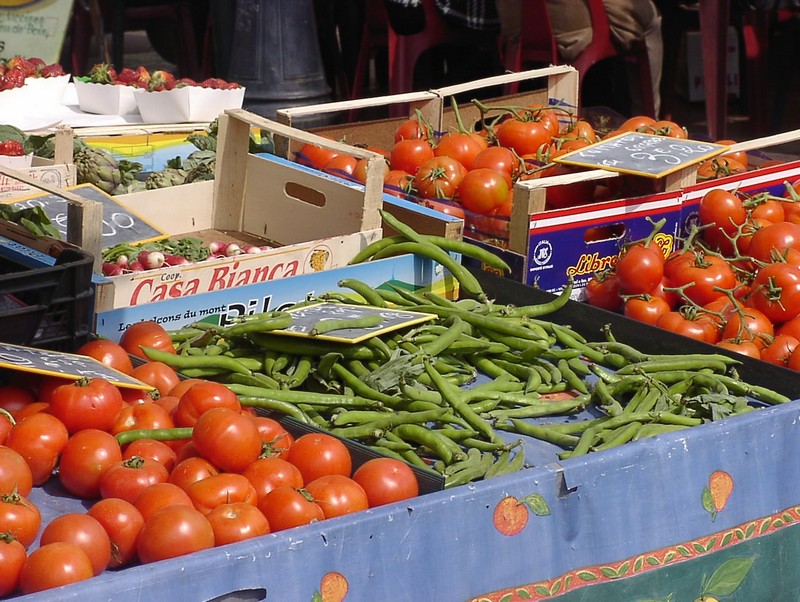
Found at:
<point>50,307</point>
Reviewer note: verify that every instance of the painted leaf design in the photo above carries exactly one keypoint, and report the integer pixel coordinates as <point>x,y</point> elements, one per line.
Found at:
<point>587,576</point>
<point>670,556</point>
<point>537,504</point>
<point>708,501</point>
<point>710,543</point>
<point>726,539</point>
<point>764,526</point>
<point>608,572</point>
<point>555,588</point>
<point>683,551</point>
<point>541,590</point>
<point>652,561</point>
<point>637,565</point>
<point>524,594</point>
<point>729,576</point>
<point>507,598</point>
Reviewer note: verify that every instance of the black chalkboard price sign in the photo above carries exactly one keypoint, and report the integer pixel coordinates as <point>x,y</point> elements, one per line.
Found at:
<point>65,365</point>
<point>306,320</point>
<point>642,154</point>
<point>120,224</point>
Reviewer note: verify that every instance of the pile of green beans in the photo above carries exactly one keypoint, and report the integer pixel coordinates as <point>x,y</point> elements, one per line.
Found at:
<point>461,393</point>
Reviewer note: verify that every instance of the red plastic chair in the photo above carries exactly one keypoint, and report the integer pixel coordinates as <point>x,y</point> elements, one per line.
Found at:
<point>537,44</point>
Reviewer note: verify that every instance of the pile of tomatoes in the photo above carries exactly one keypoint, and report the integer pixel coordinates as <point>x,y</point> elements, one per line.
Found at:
<point>471,173</point>
<point>735,283</point>
<point>220,474</point>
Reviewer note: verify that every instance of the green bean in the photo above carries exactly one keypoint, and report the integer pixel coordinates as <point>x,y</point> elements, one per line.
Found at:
<point>329,400</point>
<point>465,278</point>
<point>457,434</point>
<point>361,388</point>
<point>687,362</point>
<point>173,434</point>
<point>387,420</point>
<point>275,405</point>
<point>543,433</point>
<point>396,446</point>
<point>274,321</point>
<point>369,294</point>
<point>553,408</point>
<point>442,447</point>
<point>359,431</point>
<point>446,339</point>
<point>547,307</point>
<point>653,428</point>
<point>256,379</point>
<point>583,446</point>
<point>181,362</point>
<point>393,297</point>
<point>620,436</point>
<point>454,398</point>
<point>603,397</point>
<point>185,334</point>
<point>573,381</point>
<point>508,463</point>
<point>488,366</point>
<point>326,325</point>
<point>211,373</point>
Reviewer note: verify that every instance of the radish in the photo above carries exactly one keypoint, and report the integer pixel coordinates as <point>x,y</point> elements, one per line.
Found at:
<point>252,249</point>
<point>175,259</point>
<point>136,266</point>
<point>217,247</point>
<point>112,269</point>
<point>151,260</point>
<point>122,261</point>
<point>232,250</point>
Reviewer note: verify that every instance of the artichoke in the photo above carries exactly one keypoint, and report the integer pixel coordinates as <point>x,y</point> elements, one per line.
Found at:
<point>165,178</point>
<point>98,167</point>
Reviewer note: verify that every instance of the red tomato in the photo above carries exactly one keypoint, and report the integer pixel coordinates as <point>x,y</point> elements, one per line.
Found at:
<point>174,531</point>
<point>6,424</point>
<point>702,330</point>
<point>500,159</point>
<point>190,470</point>
<point>142,416</point>
<point>740,156</point>
<point>84,531</point>
<point>386,480</point>
<point>39,439</point>
<point>152,449</point>
<point>122,522</point>
<point>665,127</point>
<point>312,155</point>
<point>408,154</point>
<point>748,348</point>
<point>92,403</point>
<point>773,241</point>
<point>15,474</point>
<point>286,507</point>
<point>84,458</point>
<point>229,439</point>
<point>276,440</point>
<point>639,270</point>
<point>12,559</point>
<point>633,124</point>
<point>523,137</point>
<point>318,454</point>
<point>54,565</point>
<point>360,170</point>
<point>439,178</point>
<point>126,479</point>
<point>647,310</point>
<point>158,375</point>
<point>161,495</point>
<point>201,397</point>
<point>482,191</point>
<point>337,495</point>
<point>780,350</point>
<point>398,183</point>
<point>184,385</point>
<point>790,327</point>
<point>776,291</point>
<point>19,517</point>
<point>221,488</point>
<point>109,353</point>
<point>237,521</point>
<point>342,166</point>
<point>719,167</point>
<point>14,398</point>
<point>410,128</point>
<point>47,385</point>
<point>146,334</point>
<point>749,324</point>
<point>461,146</point>
<point>573,194</point>
<point>452,208</point>
<point>701,274</point>
<point>548,116</point>
<point>722,211</point>
<point>268,473</point>
<point>602,290</point>
<point>766,208</point>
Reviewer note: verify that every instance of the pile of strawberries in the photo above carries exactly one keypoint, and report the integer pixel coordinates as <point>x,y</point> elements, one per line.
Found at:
<point>12,148</point>
<point>153,81</point>
<point>15,70</point>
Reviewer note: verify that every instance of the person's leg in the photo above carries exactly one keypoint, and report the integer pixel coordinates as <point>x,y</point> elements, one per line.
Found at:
<point>654,42</point>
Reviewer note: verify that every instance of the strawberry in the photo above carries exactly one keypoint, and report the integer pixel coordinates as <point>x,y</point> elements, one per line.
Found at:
<point>183,82</point>
<point>103,73</point>
<point>214,83</point>
<point>12,148</point>
<point>143,75</point>
<point>54,70</point>
<point>232,86</point>
<point>37,62</point>
<point>161,80</point>
<point>13,78</point>
<point>126,76</point>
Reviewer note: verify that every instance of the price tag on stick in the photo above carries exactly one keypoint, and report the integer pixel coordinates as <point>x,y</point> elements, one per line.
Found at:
<point>65,365</point>
<point>355,323</point>
<point>642,154</point>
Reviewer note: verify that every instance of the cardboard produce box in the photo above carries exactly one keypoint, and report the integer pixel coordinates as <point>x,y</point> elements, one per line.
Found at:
<point>703,511</point>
